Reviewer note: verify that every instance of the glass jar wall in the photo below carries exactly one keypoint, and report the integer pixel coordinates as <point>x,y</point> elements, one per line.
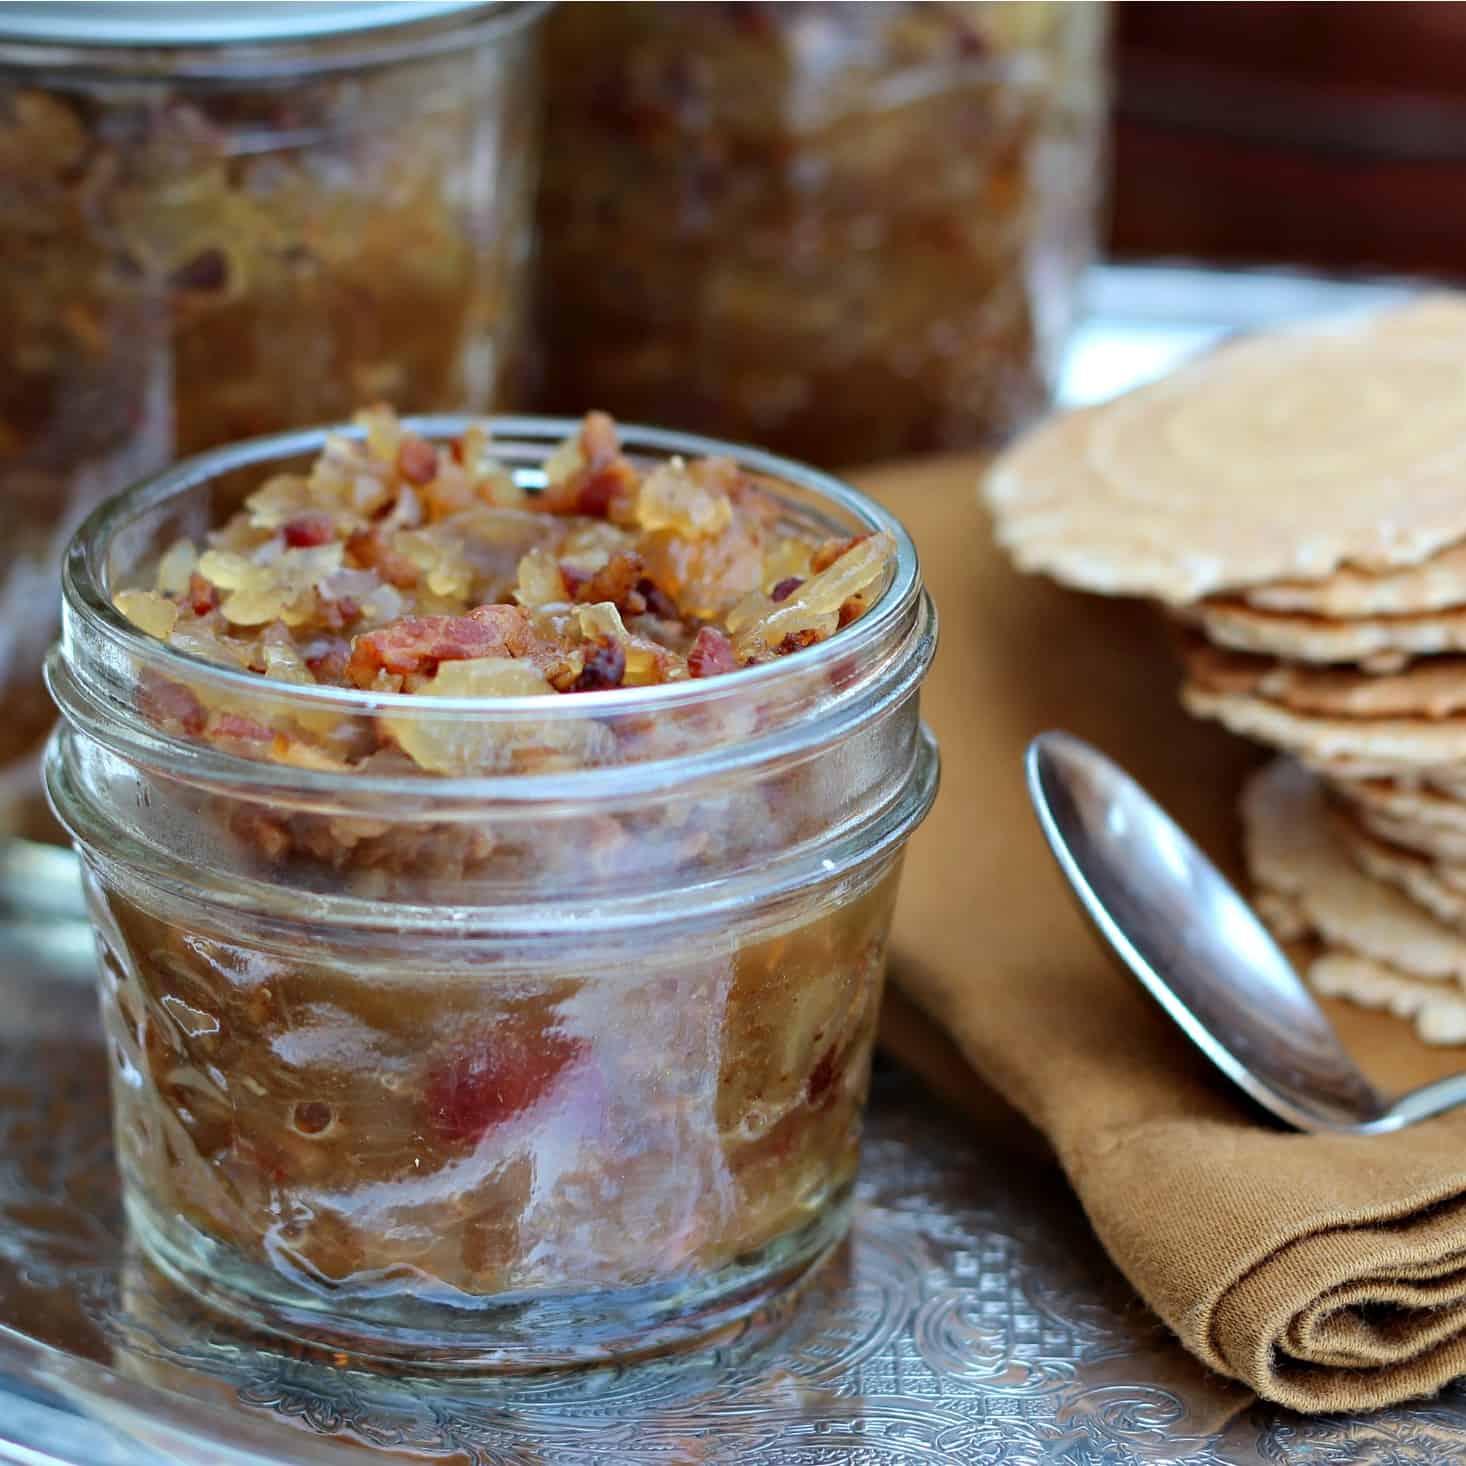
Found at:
<point>558,1055</point>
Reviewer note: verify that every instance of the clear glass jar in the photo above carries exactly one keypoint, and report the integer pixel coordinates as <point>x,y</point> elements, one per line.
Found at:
<point>519,1069</point>
<point>224,220</point>
<point>845,231</point>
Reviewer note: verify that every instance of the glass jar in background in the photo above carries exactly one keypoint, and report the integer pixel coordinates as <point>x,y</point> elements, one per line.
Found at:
<point>845,231</point>
<point>218,220</point>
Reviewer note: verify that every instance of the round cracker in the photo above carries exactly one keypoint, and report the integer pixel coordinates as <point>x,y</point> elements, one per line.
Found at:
<point>1433,585</point>
<point>1438,1013</point>
<point>1447,780</point>
<point>1363,747</point>
<point>1442,782</point>
<point>1282,456</point>
<point>1428,840</point>
<point>1282,915</point>
<point>1292,855</point>
<point>1417,877</point>
<point>1410,801</point>
<point>1304,638</point>
<point>1434,687</point>
<point>1443,850</point>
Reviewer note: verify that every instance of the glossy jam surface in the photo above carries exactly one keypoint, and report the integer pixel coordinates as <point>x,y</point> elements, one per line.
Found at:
<point>437,1128</point>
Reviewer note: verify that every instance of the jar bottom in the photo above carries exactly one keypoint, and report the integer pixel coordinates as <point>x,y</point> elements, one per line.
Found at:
<point>493,1335</point>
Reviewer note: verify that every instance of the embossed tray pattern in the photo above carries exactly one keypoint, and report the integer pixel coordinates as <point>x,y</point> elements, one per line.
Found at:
<point>971,1318</point>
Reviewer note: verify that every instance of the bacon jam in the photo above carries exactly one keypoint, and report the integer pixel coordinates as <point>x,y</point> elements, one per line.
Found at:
<point>369,1106</point>
<point>394,565</point>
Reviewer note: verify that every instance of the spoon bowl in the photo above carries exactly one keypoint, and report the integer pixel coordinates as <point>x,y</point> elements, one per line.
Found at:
<point>1200,950</point>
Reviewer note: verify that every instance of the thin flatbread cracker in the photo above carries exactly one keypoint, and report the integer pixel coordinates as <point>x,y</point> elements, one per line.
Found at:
<point>1433,585</point>
<point>1411,801</point>
<point>1283,456</point>
<point>1364,747</point>
<point>1429,841</point>
<point>1410,873</point>
<point>1438,1012</point>
<point>1303,638</point>
<point>1433,687</point>
<point>1292,855</point>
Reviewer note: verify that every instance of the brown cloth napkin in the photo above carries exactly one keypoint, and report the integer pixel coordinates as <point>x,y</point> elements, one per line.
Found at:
<point>1326,1272</point>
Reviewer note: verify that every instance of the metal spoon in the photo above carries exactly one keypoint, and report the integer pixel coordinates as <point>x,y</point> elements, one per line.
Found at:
<point>1200,950</point>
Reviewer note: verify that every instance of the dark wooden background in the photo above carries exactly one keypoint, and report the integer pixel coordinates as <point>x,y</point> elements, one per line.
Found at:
<point>1325,134</point>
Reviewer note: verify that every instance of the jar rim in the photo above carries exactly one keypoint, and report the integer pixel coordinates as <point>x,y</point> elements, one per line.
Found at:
<point>213,22</point>
<point>233,44</point>
<point>901,612</point>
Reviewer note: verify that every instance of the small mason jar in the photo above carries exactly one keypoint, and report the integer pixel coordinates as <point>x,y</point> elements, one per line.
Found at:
<point>502,1070</point>
<point>218,220</point>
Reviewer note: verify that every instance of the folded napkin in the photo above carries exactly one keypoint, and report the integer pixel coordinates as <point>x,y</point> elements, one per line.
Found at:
<point>1326,1272</point>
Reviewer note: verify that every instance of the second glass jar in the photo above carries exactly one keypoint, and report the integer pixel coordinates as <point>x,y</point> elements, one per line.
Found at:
<point>844,231</point>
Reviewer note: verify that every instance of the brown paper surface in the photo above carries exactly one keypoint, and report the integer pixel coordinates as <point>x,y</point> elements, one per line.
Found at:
<point>1327,1272</point>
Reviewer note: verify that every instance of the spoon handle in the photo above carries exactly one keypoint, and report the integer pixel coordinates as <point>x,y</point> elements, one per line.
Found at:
<point>1420,1104</point>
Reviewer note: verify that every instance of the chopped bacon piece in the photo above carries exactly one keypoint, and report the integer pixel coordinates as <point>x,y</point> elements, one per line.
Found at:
<point>605,480</point>
<point>267,833</point>
<point>328,663</point>
<point>658,602</point>
<point>512,623</point>
<point>785,588</point>
<point>237,726</point>
<point>796,641</point>
<point>306,531</point>
<point>601,488</point>
<point>819,1090</point>
<point>337,613</point>
<point>617,581</point>
<point>208,271</point>
<point>168,702</point>
<point>829,551</point>
<point>203,595</point>
<point>599,440</point>
<point>417,644</point>
<point>604,667</point>
<point>711,655</point>
<point>370,550</point>
<point>417,460</point>
<point>507,1072</point>
<point>575,581</point>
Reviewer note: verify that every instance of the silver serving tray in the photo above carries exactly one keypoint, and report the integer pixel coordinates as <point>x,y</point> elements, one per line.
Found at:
<point>971,1318</point>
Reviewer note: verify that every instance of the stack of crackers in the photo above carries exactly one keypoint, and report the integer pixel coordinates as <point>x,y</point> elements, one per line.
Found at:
<point>1296,501</point>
